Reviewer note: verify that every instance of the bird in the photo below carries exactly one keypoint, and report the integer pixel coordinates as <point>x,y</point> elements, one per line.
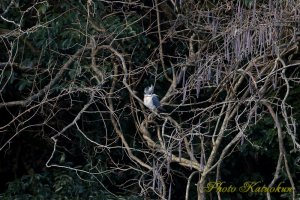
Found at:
<point>151,100</point>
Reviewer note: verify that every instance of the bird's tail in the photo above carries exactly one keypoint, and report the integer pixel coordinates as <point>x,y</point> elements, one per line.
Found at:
<point>161,109</point>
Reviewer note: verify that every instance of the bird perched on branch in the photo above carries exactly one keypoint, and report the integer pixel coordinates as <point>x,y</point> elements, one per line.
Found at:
<point>151,100</point>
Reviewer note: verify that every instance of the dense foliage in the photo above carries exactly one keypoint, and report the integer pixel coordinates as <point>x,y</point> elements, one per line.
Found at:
<point>72,76</point>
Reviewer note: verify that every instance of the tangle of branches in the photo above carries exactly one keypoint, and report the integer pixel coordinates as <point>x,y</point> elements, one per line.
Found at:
<point>219,67</point>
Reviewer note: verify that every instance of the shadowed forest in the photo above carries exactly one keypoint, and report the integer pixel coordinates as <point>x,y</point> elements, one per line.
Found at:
<point>74,124</point>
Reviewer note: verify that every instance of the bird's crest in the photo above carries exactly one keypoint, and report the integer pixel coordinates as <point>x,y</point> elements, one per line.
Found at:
<point>149,90</point>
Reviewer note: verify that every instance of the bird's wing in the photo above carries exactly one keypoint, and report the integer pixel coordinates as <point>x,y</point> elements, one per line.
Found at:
<point>156,102</point>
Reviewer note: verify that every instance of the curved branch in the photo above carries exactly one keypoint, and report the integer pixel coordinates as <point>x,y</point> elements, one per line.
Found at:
<point>281,144</point>
<point>41,92</point>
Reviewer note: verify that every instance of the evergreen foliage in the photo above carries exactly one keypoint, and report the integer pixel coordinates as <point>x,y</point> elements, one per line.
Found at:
<point>72,76</point>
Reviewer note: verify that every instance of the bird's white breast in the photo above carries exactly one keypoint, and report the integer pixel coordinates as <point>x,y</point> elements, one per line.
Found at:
<point>148,102</point>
